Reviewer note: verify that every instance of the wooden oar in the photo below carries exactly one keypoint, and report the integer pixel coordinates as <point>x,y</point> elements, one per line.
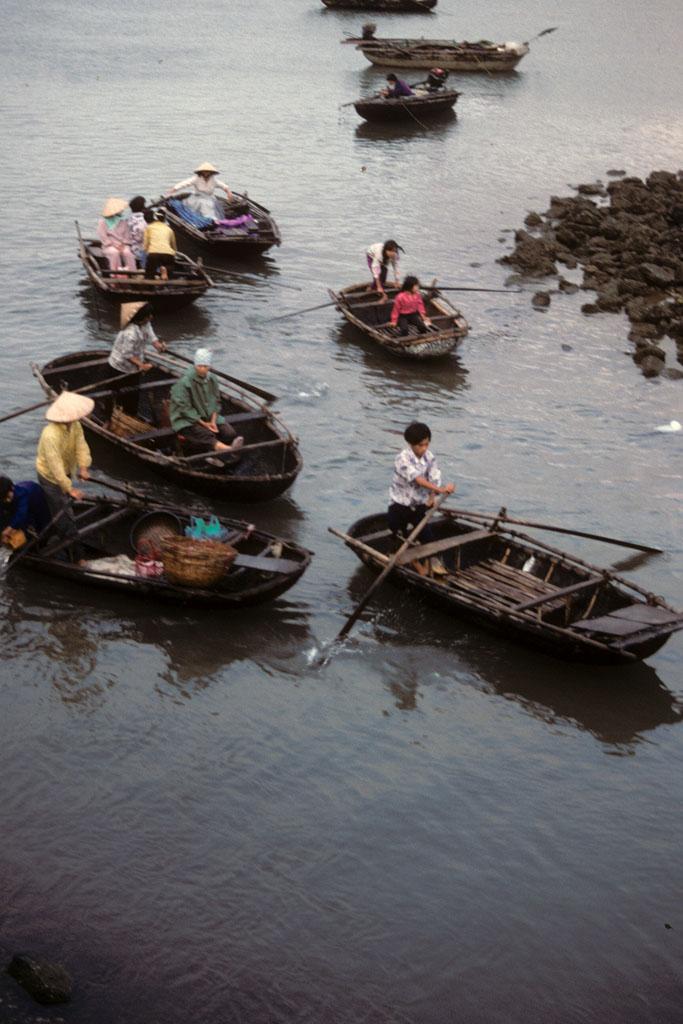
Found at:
<point>471,288</point>
<point>504,518</point>
<point>79,391</point>
<point>545,32</point>
<point>309,309</point>
<point>387,569</point>
<point>261,392</point>
<point>231,273</point>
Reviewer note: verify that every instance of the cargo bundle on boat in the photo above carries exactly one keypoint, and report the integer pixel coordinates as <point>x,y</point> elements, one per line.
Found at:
<point>386,6</point>
<point>247,568</point>
<point>524,589</point>
<point>186,282</point>
<point>268,463</point>
<point>364,310</point>
<point>449,54</point>
<point>245,227</point>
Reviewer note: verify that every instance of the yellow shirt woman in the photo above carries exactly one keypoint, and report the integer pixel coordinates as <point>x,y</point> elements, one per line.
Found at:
<point>62,451</point>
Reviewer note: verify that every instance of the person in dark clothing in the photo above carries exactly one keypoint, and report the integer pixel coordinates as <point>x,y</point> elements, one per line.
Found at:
<point>397,89</point>
<point>23,507</point>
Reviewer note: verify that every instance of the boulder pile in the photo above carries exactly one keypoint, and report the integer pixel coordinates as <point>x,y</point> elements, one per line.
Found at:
<point>628,241</point>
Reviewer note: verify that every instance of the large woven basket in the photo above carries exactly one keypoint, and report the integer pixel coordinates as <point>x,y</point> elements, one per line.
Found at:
<point>196,563</point>
<point>124,425</point>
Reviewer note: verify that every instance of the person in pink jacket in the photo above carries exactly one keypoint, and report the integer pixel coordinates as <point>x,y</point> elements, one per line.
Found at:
<point>114,234</point>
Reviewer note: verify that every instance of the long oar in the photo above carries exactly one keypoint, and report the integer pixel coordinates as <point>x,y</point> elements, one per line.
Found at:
<point>79,391</point>
<point>231,274</point>
<point>504,518</point>
<point>471,288</point>
<point>309,309</point>
<point>267,396</point>
<point>545,32</point>
<point>387,569</point>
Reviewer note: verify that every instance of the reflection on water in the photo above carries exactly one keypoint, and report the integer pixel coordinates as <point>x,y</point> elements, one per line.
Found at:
<point>392,131</point>
<point>616,704</point>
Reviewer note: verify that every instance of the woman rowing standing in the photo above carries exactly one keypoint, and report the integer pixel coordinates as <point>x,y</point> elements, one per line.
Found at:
<point>380,256</point>
<point>202,200</point>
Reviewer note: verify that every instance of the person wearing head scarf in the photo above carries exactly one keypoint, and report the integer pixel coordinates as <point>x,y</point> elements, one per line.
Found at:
<point>62,453</point>
<point>23,506</point>
<point>195,410</point>
<point>203,184</point>
<point>114,234</point>
<point>136,228</point>
<point>128,350</point>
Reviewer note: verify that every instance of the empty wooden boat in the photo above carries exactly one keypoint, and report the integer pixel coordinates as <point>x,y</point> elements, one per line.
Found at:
<point>363,309</point>
<point>248,228</point>
<point>416,108</point>
<point>265,566</point>
<point>186,282</point>
<point>524,589</point>
<point>269,461</point>
<point>449,54</point>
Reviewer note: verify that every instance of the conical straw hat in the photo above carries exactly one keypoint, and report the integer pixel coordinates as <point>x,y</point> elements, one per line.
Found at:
<point>113,206</point>
<point>69,407</point>
<point>128,311</point>
<point>206,167</point>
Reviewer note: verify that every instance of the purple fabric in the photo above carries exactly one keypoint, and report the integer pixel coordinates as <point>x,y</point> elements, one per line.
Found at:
<point>400,88</point>
<point>236,222</point>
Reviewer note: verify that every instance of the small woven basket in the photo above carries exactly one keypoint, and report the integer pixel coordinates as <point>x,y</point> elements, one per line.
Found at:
<point>124,425</point>
<point>197,563</point>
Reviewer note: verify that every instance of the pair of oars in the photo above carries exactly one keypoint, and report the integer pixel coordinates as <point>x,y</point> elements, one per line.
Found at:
<point>440,288</point>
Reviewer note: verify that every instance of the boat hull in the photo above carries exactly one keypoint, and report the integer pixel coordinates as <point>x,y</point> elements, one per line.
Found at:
<point>495,608</point>
<point>466,62</point>
<point>390,6</point>
<point>244,246</point>
<point>389,111</point>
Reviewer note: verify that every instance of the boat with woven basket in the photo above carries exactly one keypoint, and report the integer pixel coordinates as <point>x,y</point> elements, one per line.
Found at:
<point>449,54</point>
<point>269,461</point>
<point>517,586</point>
<point>251,567</point>
<point>246,228</point>
<point>361,307</point>
<point>187,279</point>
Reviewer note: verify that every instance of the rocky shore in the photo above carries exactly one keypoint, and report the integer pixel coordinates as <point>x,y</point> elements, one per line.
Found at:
<point>627,238</point>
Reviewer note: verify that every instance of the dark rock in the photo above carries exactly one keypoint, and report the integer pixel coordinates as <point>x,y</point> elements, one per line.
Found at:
<point>533,219</point>
<point>672,373</point>
<point>615,174</point>
<point>568,286</point>
<point>651,366</point>
<point>629,286</point>
<point>645,351</point>
<point>642,334</point>
<point>47,983</point>
<point>662,277</point>
<point>589,308</point>
<point>475,264</point>
<point>541,300</point>
<point>564,256</point>
<point>566,348</point>
<point>532,256</point>
<point>594,189</point>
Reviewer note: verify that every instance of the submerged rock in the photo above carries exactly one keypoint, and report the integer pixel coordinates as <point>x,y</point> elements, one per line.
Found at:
<point>541,300</point>
<point>47,983</point>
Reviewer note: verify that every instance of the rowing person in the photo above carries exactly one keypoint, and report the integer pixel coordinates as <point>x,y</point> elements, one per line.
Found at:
<point>397,89</point>
<point>23,509</point>
<point>62,453</point>
<point>195,410</point>
<point>380,257</point>
<point>203,184</point>
<point>415,484</point>
<point>128,350</point>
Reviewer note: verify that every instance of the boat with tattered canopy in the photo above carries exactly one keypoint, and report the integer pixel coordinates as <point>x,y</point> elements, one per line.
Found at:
<point>449,54</point>
<point>522,588</point>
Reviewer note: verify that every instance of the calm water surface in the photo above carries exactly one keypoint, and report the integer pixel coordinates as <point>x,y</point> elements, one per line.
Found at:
<point>438,826</point>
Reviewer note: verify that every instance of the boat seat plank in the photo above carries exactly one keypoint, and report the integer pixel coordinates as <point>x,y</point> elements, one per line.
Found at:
<point>575,588</point>
<point>160,434</point>
<point>266,564</point>
<point>244,417</point>
<point>446,544</point>
<point>632,619</point>
<point>647,613</point>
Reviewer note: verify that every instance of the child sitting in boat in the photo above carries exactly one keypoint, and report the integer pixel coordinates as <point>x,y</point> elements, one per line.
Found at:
<point>397,89</point>
<point>409,308</point>
<point>159,244</point>
<point>415,483</point>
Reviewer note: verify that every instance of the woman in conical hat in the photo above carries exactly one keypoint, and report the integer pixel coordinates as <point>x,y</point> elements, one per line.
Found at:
<point>63,453</point>
<point>128,351</point>
<point>114,234</point>
<point>203,184</point>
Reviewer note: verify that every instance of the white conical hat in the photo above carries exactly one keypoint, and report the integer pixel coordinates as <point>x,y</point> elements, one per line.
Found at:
<point>113,206</point>
<point>69,407</point>
<point>206,167</point>
<point>128,311</point>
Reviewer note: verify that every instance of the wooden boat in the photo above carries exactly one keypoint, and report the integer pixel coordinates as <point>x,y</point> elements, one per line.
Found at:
<point>265,566</point>
<point>386,6</point>
<point>262,234</point>
<point>269,461</point>
<point>187,280</point>
<point>361,308</point>
<point>448,54</point>
<point>532,593</point>
<point>417,108</point>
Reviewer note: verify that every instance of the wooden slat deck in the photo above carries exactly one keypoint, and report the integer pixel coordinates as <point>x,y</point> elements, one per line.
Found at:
<point>510,586</point>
